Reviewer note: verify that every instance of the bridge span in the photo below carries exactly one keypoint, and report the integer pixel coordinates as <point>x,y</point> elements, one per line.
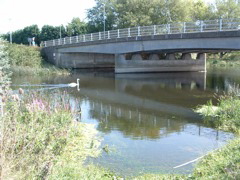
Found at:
<point>147,49</point>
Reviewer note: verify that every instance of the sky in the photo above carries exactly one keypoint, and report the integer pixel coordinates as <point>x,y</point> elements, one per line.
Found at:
<point>17,14</point>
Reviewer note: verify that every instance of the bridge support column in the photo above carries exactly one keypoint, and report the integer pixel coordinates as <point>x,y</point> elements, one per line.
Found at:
<point>135,66</point>
<point>186,56</point>
<point>153,57</point>
<point>170,56</point>
<point>137,57</point>
<point>201,56</point>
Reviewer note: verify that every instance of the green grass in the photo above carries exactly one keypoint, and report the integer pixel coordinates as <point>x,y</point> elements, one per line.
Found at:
<point>222,164</point>
<point>225,162</point>
<point>46,69</point>
<point>225,116</point>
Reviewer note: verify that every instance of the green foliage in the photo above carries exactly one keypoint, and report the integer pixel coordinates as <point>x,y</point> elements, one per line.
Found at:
<point>225,115</point>
<point>21,36</point>
<point>227,9</point>
<point>27,60</point>
<point>50,32</point>
<point>4,66</point>
<point>95,16</point>
<point>221,164</point>
<point>128,13</point>
<point>201,11</point>
<point>40,140</point>
<point>161,177</point>
<point>21,55</point>
<point>76,27</point>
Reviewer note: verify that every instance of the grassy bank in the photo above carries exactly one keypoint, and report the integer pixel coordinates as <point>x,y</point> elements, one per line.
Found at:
<point>41,140</point>
<point>225,162</point>
<point>27,60</point>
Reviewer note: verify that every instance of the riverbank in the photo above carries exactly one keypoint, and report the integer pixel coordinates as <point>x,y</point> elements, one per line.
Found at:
<point>225,162</point>
<point>25,60</point>
<point>68,164</point>
<point>40,138</point>
<point>228,60</point>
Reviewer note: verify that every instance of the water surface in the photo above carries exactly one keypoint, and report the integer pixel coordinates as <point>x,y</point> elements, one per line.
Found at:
<point>146,120</point>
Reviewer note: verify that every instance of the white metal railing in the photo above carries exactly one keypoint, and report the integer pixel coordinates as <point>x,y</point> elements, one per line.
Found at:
<point>174,28</point>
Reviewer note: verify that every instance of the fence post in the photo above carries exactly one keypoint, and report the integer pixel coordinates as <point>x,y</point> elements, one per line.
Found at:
<point>201,26</point>
<point>53,42</point>
<point>154,30</point>
<point>129,32</point>
<point>220,24</point>
<point>108,34</point>
<point>70,40</point>
<point>139,31</point>
<point>64,41</point>
<point>184,27</point>
<point>91,37</point>
<point>118,34</point>
<point>77,39</point>
<point>168,28</point>
<point>99,35</point>
<point>45,43</point>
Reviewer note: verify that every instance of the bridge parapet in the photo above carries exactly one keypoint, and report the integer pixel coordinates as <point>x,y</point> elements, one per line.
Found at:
<point>173,28</point>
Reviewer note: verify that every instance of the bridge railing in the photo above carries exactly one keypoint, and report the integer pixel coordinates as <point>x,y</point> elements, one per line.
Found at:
<point>174,28</point>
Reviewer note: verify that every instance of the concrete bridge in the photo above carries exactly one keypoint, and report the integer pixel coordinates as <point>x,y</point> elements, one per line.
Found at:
<point>157,48</point>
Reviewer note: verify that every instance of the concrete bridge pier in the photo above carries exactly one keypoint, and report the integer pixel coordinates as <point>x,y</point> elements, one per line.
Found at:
<point>154,57</point>
<point>170,64</point>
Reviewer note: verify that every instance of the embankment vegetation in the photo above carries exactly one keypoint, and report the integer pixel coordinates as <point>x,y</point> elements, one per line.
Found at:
<point>39,136</point>
<point>28,60</point>
<point>225,162</point>
<point>231,59</point>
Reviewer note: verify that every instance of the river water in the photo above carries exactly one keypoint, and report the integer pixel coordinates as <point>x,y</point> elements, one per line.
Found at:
<point>146,121</point>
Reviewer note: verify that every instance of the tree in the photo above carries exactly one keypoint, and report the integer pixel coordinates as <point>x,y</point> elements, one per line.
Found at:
<point>201,11</point>
<point>50,32</point>
<point>21,36</point>
<point>76,27</point>
<point>227,9</point>
<point>96,17</point>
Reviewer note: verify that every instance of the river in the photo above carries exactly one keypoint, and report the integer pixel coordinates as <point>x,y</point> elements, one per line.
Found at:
<point>146,121</point>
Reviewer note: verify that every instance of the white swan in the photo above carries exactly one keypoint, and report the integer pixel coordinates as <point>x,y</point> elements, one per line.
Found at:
<point>74,84</point>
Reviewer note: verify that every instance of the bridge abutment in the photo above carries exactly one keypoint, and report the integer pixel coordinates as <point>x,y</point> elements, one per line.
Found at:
<point>170,64</point>
<point>80,60</point>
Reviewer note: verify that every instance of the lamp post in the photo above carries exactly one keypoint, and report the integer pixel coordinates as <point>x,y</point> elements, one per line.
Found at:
<point>60,33</point>
<point>10,30</point>
<point>104,20</point>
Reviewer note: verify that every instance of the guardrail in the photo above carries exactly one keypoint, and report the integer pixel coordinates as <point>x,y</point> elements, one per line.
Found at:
<point>174,28</point>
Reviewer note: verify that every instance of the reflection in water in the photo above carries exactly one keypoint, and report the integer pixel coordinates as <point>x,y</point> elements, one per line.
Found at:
<point>147,118</point>
<point>139,124</point>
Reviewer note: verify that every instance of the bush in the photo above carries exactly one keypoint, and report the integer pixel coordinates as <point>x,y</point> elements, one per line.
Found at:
<point>40,139</point>
<point>22,55</point>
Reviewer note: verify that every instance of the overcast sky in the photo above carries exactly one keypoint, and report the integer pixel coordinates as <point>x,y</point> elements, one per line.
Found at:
<point>17,14</point>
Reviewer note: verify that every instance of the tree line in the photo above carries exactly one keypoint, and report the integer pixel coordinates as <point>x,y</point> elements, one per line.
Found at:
<point>129,13</point>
